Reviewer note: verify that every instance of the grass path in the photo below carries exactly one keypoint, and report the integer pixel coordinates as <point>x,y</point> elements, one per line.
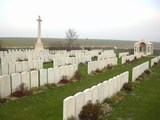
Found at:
<point>143,103</point>
<point>49,104</point>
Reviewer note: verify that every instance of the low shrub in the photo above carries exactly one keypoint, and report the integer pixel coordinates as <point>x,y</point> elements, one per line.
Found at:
<point>108,101</point>
<point>50,86</point>
<point>106,108</point>
<point>128,86</point>
<point>128,61</point>
<point>71,118</point>
<point>18,94</point>
<point>35,89</point>
<point>148,71</point>
<point>109,67</point>
<point>43,88</point>
<point>121,93</point>
<point>91,111</point>
<point>64,80</point>
<point>3,100</point>
<point>116,99</point>
<point>113,100</point>
<point>140,78</point>
<point>78,75</point>
<point>135,58</point>
<point>155,63</point>
<point>98,71</point>
<point>142,56</point>
<point>21,91</point>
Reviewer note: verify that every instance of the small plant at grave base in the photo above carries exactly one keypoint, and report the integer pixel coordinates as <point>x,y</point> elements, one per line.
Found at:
<point>140,78</point>
<point>71,118</point>
<point>93,72</point>
<point>43,88</point>
<point>98,71</point>
<point>35,89</point>
<point>64,80</point>
<point>135,58</point>
<point>53,85</point>
<point>142,56</point>
<point>50,86</point>
<point>106,108</point>
<point>116,99</point>
<point>122,93</point>
<point>145,75</point>
<point>128,86</point>
<point>128,61</point>
<point>148,71</point>
<point>90,111</point>
<point>21,91</point>
<point>109,66</point>
<point>78,75</point>
<point>155,63</point>
<point>3,100</point>
<point>110,101</point>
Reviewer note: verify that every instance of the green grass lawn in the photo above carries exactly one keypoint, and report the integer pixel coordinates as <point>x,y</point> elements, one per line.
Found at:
<point>48,65</point>
<point>48,105</point>
<point>143,103</point>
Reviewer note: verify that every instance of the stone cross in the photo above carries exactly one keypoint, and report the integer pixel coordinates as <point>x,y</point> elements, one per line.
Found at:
<point>39,29</point>
<point>39,44</point>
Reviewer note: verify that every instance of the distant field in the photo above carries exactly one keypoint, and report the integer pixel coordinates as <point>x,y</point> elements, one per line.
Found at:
<point>51,42</point>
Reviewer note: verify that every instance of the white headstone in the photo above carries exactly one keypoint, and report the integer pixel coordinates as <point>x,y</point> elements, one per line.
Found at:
<point>57,74</point>
<point>40,65</point>
<point>18,67</point>
<point>26,79</point>
<point>12,68</point>
<point>51,75</point>
<point>68,107</point>
<point>100,92</point>
<point>106,89</point>
<point>87,95</point>
<point>43,77</point>
<point>24,66</point>
<point>35,64</point>
<point>34,79</point>
<point>30,65</point>
<point>110,90</point>
<point>5,86</point>
<point>79,103</point>
<point>95,94</point>
<point>4,67</point>
<point>16,81</point>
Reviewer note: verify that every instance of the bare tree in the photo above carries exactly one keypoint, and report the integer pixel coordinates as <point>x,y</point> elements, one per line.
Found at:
<point>71,36</point>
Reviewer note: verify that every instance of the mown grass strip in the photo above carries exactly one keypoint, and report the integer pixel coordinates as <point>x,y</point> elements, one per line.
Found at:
<point>49,104</point>
<point>142,103</point>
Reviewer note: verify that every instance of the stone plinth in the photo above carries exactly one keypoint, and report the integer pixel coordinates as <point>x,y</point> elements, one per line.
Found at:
<point>39,47</point>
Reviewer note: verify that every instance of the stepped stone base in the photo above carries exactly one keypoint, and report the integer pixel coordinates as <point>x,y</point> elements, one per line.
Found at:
<point>39,47</point>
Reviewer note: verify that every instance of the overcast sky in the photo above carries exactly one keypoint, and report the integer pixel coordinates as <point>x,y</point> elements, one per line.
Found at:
<point>103,19</point>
